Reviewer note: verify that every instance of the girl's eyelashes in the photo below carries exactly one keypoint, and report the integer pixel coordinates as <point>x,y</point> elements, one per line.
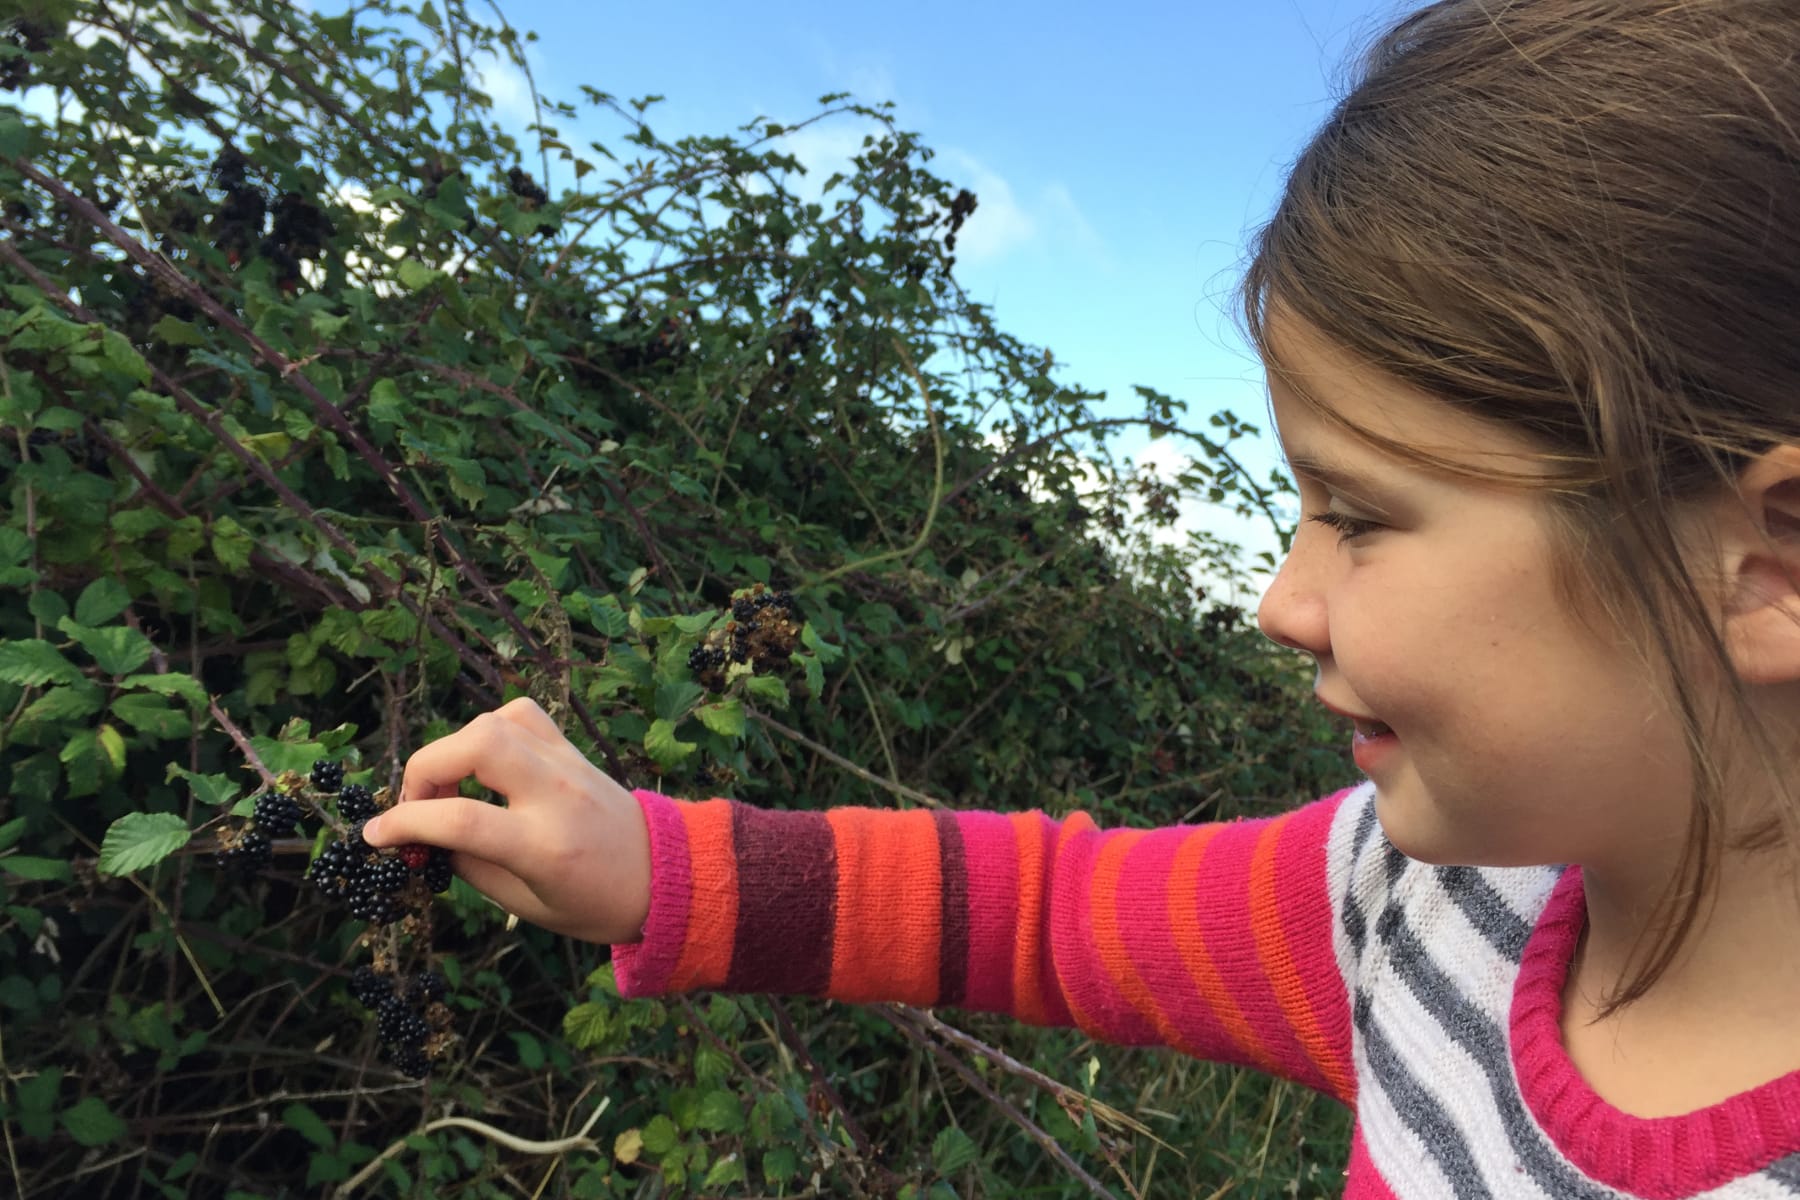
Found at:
<point>1347,526</point>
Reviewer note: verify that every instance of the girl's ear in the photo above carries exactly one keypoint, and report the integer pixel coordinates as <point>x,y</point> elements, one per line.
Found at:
<point>1761,540</point>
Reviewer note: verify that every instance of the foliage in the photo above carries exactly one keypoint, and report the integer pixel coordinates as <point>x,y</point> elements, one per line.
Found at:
<point>330,422</point>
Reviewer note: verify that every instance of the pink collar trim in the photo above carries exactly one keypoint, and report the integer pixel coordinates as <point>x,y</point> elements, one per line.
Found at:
<point>1655,1157</point>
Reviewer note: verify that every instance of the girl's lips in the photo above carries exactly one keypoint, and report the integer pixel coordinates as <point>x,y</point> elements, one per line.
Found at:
<point>1372,749</point>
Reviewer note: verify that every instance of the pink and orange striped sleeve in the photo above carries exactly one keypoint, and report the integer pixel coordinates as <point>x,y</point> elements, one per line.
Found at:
<point>1216,940</point>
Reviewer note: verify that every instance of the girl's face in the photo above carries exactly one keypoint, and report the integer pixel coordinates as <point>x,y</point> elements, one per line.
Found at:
<point>1520,737</point>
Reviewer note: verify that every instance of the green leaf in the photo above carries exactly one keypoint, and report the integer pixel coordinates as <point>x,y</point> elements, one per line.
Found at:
<point>531,1051</point>
<point>9,832</point>
<point>416,276</point>
<point>101,601</point>
<point>385,403</point>
<point>767,687</point>
<point>661,1135</point>
<point>172,684</point>
<point>729,1169</point>
<point>38,870</point>
<point>71,702</point>
<point>151,715</point>
<point>14,136</point>
<point>661,744</point>
<point>231,544</point>
<point>91,1123</point>
<point>585,1025</point>
<point>34,661</point>
<point>216,790</point>
<point>117,649</point>
<point>721,1112</point>
<point>780,1165</point>
<point>304,1121</point>
<point>173,331</point>
<point>726,718</point>
<point>139,840</point>
<point>952,1150</point>
<point>673,699</point>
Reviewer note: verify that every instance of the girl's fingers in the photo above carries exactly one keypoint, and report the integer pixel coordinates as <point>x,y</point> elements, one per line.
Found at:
<point>501,753</point>
<point>527,714</point>
<point>501,886</point>
<point>473,827</point>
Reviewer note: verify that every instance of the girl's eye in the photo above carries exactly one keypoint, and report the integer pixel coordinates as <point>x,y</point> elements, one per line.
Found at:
<point>1347,526</point>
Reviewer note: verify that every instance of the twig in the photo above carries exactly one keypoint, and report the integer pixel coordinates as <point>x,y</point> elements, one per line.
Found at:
<point>577,1141</point>
<point>839,760</point>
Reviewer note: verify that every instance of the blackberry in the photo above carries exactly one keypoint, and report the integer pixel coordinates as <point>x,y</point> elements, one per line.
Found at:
<point>744,608</point>
<point>248,855</point>
<point>398,1025</point>
<point>336,869</point>
<point>277,814</point>
<point>377,908</point>
<point>411,1062</point>
<point>356,803</point>
<point>426,987</point>
<point>370,987</point>
<point>438,872</point>
<point>386,875</point>
<point>328,775</point>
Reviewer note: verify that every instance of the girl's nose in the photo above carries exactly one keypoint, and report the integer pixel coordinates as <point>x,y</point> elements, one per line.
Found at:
<point>1292,612</point>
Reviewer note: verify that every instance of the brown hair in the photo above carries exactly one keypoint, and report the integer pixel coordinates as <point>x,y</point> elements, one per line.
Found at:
<point>1579,219</point>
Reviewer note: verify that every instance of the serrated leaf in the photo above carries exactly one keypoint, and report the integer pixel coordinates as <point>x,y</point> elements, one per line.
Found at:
<point>139,840</point>
<point>673,699</point>
<point>117,649</point>
<point>101,601</point>
<point>70,702</point>
<point>91,1123</point>
<point>33,661</point>
<point>767,687</point>
<point>304,1121</point>
<point>231,544</point>
<point>952,1150</point>
<point>215,790</point>
<point>585,1025</point>
<point>27,866</point>
<point>173,331</point>
<point>661,1136</point>
<point>780,1165</point>
<point>729,1169</point>
<point>151,715</point>
<point>172,684</point>
<point>385,403</point>
<point>415,276</point>
<point>721,1112</point>
<point>726,718</point>
<point>661,744</point>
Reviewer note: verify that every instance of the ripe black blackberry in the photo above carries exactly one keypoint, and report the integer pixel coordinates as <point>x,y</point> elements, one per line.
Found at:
<point>374,893</point>
<point>356,803</point>
<point>245,856</point>
<point>426,987</point>
<point>438,872</point>
<point>277,814</point>
<point>328,775</point>
<point>398,1025</point>
<point>411,1061</point>
<point>370,987</point>
<point>336,869</point>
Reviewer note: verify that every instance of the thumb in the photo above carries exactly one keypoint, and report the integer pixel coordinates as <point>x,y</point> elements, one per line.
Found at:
<point>455,823</point>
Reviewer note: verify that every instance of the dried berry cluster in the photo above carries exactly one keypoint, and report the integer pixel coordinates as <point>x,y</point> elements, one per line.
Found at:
<point>764,631</point>
<point>390,890</point>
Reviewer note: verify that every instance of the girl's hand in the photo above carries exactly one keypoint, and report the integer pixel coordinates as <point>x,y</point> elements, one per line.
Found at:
<point>569,851</point>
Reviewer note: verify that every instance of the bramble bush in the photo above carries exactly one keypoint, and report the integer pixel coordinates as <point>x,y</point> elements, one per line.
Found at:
<point>334,414</point>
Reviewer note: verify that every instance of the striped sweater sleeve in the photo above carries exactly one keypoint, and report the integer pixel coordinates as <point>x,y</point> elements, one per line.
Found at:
<point>1216,940</point>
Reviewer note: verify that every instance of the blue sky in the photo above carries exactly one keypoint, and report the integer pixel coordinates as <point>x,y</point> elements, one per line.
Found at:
<point>1122,155</point>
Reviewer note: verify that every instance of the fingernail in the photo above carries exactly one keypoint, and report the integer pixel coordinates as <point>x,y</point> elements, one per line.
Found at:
<point>370,828</point>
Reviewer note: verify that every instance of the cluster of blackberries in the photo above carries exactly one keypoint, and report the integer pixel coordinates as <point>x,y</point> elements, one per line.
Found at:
<point>530,196</point>
<point>411,1022</point>
<point>299,231</point>
<point>764,631</point>
<point>246,852</point>
<point>376,885</point>
<point>28,37</point>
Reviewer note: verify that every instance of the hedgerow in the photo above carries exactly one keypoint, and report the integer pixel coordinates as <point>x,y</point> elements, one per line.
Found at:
<point>335,414</point>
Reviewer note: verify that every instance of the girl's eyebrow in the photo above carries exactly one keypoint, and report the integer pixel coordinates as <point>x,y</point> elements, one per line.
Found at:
<point>1337,476</point>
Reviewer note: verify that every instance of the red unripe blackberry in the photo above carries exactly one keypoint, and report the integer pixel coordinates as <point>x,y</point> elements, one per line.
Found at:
<point>415,855</point>
<point>356,803</point>
<point>328,775</point>
<point>438,872</point>
<point>247,857</point>
<point>276,814</point>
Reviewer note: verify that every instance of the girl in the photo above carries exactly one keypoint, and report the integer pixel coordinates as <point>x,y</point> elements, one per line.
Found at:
<point>1530,309</point>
